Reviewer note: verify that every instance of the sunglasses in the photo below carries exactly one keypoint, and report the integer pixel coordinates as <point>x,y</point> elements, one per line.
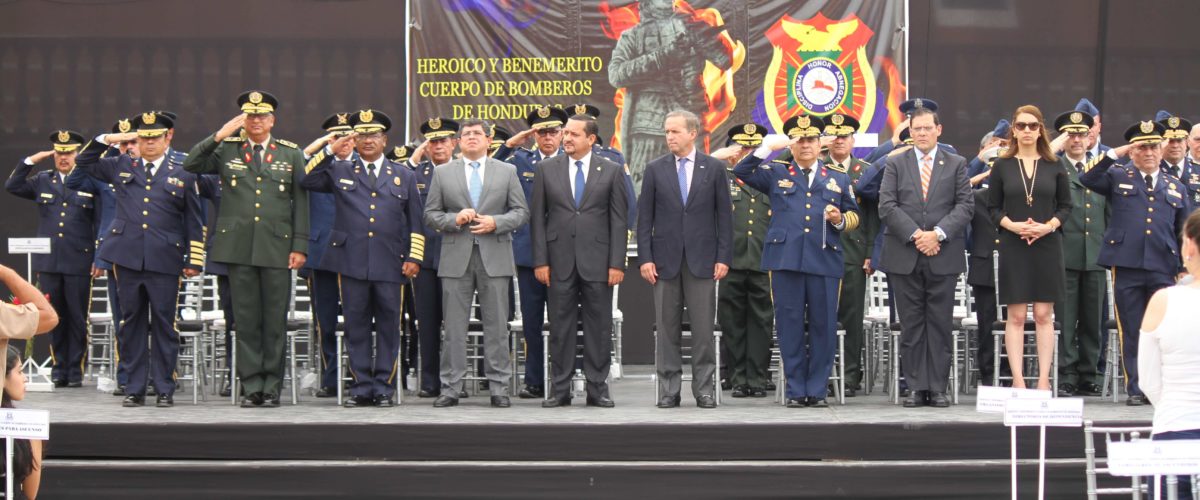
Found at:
<point>1030,126</point>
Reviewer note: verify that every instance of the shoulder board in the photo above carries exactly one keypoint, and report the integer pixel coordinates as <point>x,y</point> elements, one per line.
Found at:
<point>234,139</point>
<point>862,162</point>
<point>289,144</point>
<point>781,162</point>
<point>835,167</point>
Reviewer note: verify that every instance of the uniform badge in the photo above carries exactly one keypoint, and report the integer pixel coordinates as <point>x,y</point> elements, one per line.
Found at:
<point>125,174</point>
<point>1076,117</point>
<point>346,181</point>
<point>1173,122</point>
<point>256,97</point>
<point>1125,186</point>
<point>396,181</point>
<point>85,194</point>
<point>544,112</point>
<point>64,136</point>
<point>1146,127</point>
<point>282,188</point>
<point>786,184</point>
<point>435,123</point>
<point>832,185</point>
<point>47,195</point>
<point>528,174</point>
<point>124,126</point>
<point>580,109</point>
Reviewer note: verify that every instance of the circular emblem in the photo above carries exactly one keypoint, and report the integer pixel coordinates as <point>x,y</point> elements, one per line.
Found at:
<point>1173,122</point>
<point>804,122</point>
<point>1076,117</point>
<point>123,126</point>
<point>820,86</point>
<point>64,136</point>
<point>401,151</point>
<point>543,112</point>
<point>1147,127</point>
<point>366,116</point>
<point>342,119</point>
<point>148,118</point>
<point>396,181</point>
<point>837,119</point>
<point>751,128</point>
<point>255,97</point>
<point>580,109</point>
<point>435,123</point>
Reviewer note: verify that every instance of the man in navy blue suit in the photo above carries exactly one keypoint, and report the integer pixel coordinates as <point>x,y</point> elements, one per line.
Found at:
<point>685,239</point>
<point>156,235</point>
<point>67,217</point>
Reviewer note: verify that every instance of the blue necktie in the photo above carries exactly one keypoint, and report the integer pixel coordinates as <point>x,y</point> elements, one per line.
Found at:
<point>579,182</point>
<point>476,187</point>
<point>683,183</point>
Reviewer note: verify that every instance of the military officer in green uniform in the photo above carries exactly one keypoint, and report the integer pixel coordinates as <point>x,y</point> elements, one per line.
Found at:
<point>1081,313</point>
<point>745,312</point>
<point>857,245</point>
<point>261,233</point>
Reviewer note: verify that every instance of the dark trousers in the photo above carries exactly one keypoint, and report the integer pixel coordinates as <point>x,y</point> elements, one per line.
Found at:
<point>150,301</point>
<point>851,302</point>
<point>427,297</point>
<point>372,305</point>
<point>925,303</point>
<point>1184,488</point>
<point>571,297</point>
<point>225,301</point>
<point>261,310</point>
<point>1082,327</point>
<point>746,317</point>
<point>114,305</point>
<point>70,295</point>
<point>806,319</point>
<point>533,316</point>
<point>1132,289</point>
<point>323,285</point>
<point>671,296</point>
<point>985,315</point>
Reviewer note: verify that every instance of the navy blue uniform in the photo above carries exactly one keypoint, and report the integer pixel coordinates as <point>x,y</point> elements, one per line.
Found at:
<point>68,218</point>
<point>804,253</point>
<point>158,230</point>
<point>378,228</point>
<point>427,293</point>
<point>323,283</point>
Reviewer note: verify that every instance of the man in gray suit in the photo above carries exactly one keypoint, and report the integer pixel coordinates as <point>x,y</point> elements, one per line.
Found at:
<point>578,231</point>
<point>925,204</point>
<point>476,202</point>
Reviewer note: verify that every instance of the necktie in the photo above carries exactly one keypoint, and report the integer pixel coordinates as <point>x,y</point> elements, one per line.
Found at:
<point>804,177</point>
<point>371,173</point>
<point>258,149</point>
<point>579,182</point>
<point>683,181</point>
<point>926,173</point>
<point>1079,166</point>
<point>1149,182</point>
<point>149,170</point>
<point>476,187</point>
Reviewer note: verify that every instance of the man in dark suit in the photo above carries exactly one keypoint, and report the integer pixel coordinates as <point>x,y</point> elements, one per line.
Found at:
<point>685,233</point>
<point>578,228</point>
<point>925,204</point>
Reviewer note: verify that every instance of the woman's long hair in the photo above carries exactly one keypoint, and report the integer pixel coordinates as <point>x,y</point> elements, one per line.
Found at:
<point>22,453</point>
<point>1043,141</point>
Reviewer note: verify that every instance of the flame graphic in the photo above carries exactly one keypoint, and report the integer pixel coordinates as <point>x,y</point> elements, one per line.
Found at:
<point>896,92</point>
<point>717,84</point>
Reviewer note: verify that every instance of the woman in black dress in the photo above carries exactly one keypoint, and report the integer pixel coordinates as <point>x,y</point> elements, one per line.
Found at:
<point>27,454</point>
<point>1029,197</point>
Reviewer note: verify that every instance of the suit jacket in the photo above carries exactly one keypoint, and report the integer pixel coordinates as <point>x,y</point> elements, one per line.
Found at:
<point>502,198</point>
<point>985,238</point>
<point>701,231</point>
<point>590,238</point>
<point>950,206</point>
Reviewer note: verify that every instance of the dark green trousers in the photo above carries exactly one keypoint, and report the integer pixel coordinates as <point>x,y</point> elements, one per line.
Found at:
<point>746,317</point>
<point>850,314</point>
<point>1082,325</point>
<point>260,302</point>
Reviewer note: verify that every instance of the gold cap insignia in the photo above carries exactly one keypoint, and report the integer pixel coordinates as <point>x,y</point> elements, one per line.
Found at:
<point>580,109</point>
<point>123,126</point>
<point>435,123</point>
<point>804,122</point>
<point>837,119</point>
<point>342,119</point>
<point>1173,122</point>
<point>64,136</point>
<point>1076,117</point>
<point>148,118</point>
<point>1147,127</point>
<point>751,128</point>
<point>255,97</point>
<point>918,103</point>
<point>544,112</point>
<point>401,151</point>
<point>366,115</point>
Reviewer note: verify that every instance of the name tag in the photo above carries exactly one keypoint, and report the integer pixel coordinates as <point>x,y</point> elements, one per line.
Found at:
<point>237,166</point>
<point>47,195</point>
<point>346,181</point>
<point>527,174</point>
<point>125,174</point>
<point>1125,186</point>
<point>786,184</point>
<point>85,194</point>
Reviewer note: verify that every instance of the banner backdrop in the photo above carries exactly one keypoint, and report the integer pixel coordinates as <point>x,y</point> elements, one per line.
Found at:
<point>728,61</point>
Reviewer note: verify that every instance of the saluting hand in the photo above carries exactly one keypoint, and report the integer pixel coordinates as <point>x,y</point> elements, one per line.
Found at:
<point>39,156</point>
<point>114,139</point>
<point>519,139</point>
<point>342,145</point>
<point>727,153</point>
<point>231,127</point>
<point>776,142</point>
<point>896,133</point>
<point>1123,151</point>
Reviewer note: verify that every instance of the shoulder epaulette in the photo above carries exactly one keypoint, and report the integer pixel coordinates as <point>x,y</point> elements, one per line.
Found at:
<point>835,167</point>
<point>234,139</point>
<point>289,144</point>
<point>781,162</point>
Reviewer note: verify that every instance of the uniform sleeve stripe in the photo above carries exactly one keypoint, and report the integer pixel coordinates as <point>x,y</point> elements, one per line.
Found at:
<point>316,159</point>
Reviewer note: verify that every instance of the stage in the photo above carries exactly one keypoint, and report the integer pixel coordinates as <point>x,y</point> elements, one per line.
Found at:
<point>869,448</point>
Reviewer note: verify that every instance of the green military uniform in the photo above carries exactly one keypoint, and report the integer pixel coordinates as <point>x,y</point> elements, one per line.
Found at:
<point>263,218</point>
<point>745,311</point>
<point>1082,312</point>
<point>857,245</point>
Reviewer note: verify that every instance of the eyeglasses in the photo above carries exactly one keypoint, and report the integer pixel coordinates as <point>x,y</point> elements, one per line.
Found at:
<point>1030,126</point>
<point>548,131</point>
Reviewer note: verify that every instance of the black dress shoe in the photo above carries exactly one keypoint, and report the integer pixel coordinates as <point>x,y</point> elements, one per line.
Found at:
<point>706,402</point>
<point>500,402</point>
<point>741,391</point>
<point>669,402</point>
<point>601,402</point>
<point>1089,389</point>
<point>1066,390</point>
<point>133,401</point>
<point>119,391</point>
<point>165,401</point>
<point>726,384</point>
<point>384,401</point>
<point>150,390</point>
<point>226,389</point>
<point>463,394</point>
<point>426,393</point>
<point>270,401</point>
<point>60,383</point>
<point>797,402</point>
<point>252,400</point>
<point>904,392</point>
<point>851,392</point>
<point>757,392</point>
<point>75,384</point>
<point>915,399</point>
<point>555,402</point>
<point>771,386</point>
<point>445,401</point>
<point>357,402</point>
<point>939,400</point>
<point>1136,400</point>
<point>325,392</point>
<point>532,392</point>
<point>817,403</point>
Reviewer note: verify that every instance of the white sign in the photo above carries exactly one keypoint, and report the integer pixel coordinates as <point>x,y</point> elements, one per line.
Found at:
<point>991,399</point>
<point>1061,412</point>
<point>1150,458</point>
<point>24,424</point>
<point>29,245</point>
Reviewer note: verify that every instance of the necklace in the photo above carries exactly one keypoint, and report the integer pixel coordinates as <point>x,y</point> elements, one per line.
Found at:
<point>1028,185</point>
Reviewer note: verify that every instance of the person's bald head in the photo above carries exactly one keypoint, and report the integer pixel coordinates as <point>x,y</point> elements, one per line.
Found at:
<point>1193,142</point>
